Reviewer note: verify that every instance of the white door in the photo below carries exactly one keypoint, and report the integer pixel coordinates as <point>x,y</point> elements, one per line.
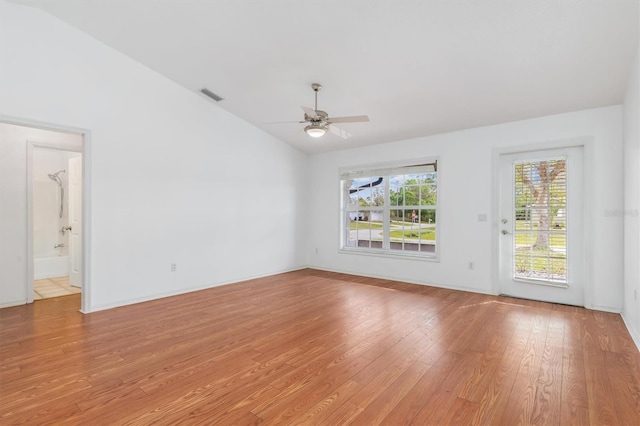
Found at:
<point>541,225</point>
<point>75,221</point>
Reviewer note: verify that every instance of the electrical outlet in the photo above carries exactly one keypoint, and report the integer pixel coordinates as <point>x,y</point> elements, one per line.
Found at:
<point>471,265</point>
<point>173,267</point>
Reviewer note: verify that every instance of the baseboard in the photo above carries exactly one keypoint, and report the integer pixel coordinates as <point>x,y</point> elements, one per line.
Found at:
<point>391,278</point>
<point>633,331</point>
<point>14,303</point>
<point>611,309</point>
<point>127,302</point>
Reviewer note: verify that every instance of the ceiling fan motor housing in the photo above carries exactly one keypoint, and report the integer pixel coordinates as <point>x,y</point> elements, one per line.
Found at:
<point>320,120</point>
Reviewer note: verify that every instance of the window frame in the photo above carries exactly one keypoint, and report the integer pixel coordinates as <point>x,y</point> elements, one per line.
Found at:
<point>386,170</point>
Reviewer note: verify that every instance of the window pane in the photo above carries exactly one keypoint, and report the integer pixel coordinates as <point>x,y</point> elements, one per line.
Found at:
<point>365,229</point>
<point>397,228</point>
<point>367,191</point>
<point>395,190</point>
<point>428,230</point>
<point>363,235</point>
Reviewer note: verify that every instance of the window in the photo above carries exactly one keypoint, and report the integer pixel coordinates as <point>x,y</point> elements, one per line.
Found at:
<point>391,210</point>
<point>539,214</point>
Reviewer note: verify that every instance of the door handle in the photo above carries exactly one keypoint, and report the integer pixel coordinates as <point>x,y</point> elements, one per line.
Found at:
<point>505,232</point>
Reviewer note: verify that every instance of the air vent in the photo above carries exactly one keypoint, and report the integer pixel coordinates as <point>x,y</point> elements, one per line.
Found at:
<point>212,95</point>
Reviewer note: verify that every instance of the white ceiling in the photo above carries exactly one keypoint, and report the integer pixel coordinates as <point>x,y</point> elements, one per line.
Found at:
<point>416,67</point>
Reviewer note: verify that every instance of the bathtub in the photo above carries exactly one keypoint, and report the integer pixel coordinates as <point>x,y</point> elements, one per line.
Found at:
<point>50,267</point>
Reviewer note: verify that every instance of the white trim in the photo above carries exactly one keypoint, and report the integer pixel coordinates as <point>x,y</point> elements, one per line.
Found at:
<point>586,143</point>
<point>633,332</point>
<point>30,262</point>
<point>588,160</point>
<point>87,173</point>
<point>398,254</point>
<point>402,280</point>
<point>372,167</point>
<point>29,195</point>
<point>605,308</point>
<point>86,198</point>
<point>10,304</point>
<point>29,176</point>
<point>153,297</point>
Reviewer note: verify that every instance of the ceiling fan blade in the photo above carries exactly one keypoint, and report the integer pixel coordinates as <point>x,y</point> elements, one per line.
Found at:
<point>340,132</point>
<point>310,112</point>
<point>352,119</point>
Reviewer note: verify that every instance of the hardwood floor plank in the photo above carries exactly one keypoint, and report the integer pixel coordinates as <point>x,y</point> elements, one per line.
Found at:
<point>344,415</point>
<point>547,403</point>
<point>601,404</point>
<point>478,383</point>
<point>625,388</point>
<point>440,404</point>
<point>325,408</point>
<point>377,409</point>
<point>315,347</point>
<point>494,400</point>
<point>520,405</point>
<point>300,397</point>
<point>423,391</point>
<point>404,348</point>
<point>574,385</point>
<point>461,412</point>
<point>574,415</point>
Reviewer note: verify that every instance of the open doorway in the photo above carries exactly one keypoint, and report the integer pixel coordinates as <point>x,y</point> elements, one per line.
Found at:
<point>43,200</point>
<point>57,222</point>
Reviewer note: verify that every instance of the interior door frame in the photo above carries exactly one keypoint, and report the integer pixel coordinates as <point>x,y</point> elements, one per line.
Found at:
<point>86,200</point>
<point>31,145</point>
<point>586,142</point>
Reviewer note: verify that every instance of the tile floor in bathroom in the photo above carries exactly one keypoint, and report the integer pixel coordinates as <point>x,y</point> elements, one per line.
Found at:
<point>53,287</point>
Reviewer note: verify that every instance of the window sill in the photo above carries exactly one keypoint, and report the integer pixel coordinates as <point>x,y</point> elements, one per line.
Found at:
<point>541,282</point>
<point>391,254</point>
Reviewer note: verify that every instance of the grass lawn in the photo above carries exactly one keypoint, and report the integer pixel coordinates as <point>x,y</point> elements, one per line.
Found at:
<point>526,234</point>
<point>361,224</point>
<point>541,262</point>
<point>411,234</point>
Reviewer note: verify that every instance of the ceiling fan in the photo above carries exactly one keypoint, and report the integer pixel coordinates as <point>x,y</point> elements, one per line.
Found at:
<point>319,121</point>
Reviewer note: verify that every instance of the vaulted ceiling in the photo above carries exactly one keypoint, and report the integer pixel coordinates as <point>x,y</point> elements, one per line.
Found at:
<point>415,67</point>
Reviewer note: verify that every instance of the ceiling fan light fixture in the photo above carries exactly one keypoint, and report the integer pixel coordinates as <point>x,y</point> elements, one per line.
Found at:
<point>315,131</point>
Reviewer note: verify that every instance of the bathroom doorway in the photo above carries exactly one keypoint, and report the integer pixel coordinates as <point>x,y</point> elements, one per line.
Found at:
<point>53,146</point>
<point>57,221</point>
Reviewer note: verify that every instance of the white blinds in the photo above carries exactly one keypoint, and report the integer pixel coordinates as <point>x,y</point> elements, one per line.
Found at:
<point>390,171</point>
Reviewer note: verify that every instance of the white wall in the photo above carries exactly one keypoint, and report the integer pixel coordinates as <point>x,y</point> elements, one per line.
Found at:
<point>631,310</point>
<point>174,178</point>
<point>466,190</point>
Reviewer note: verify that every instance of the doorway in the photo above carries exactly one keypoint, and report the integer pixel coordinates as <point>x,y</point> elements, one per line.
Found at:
<point>18,141</point>
<point>541,225</point>
<point>57,221</point>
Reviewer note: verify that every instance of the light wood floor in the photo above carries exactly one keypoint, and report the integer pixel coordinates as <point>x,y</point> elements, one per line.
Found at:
<point>53,287</point>
<point>313,347</point>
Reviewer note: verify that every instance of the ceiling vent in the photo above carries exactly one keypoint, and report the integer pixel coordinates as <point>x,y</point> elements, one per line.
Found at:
<point>212,95</point>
